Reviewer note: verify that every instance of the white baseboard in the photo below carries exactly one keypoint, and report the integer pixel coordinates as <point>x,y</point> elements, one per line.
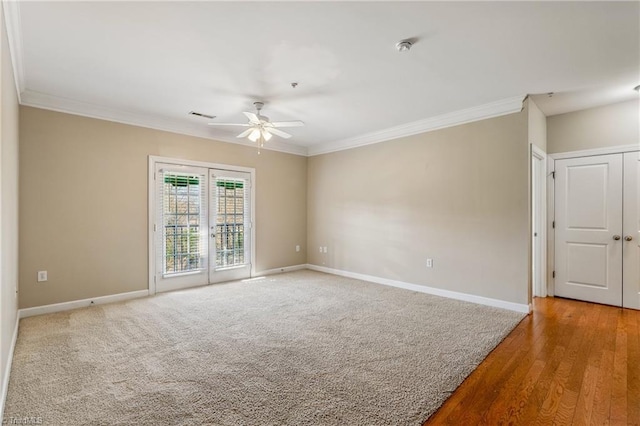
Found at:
<point>74,304</point>
<point>7,368</point>
<point>281,270</point>
<point>518,307</point>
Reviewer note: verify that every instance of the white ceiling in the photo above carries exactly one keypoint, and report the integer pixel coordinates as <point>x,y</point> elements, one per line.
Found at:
<point>151,63</point>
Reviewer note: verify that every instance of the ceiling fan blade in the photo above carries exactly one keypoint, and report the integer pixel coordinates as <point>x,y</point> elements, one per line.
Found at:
<point>279,133</point>
<point>252,117</point>
<point>245,133</point>
<point>230,124</point>
<point>287,123</point>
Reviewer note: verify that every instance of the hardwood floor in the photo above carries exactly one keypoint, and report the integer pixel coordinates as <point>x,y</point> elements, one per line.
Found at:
<point>568,363</point>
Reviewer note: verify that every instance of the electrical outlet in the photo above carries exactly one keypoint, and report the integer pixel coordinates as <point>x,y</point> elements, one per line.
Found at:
<point>320,249</point>
<point>297,248</point>
<point>429,263</point>
<point>42,276</point>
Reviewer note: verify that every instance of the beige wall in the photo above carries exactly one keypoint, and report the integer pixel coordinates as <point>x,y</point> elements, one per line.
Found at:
<point>456,195</point>
<point>537,125</point>
<point>83,202</point>
<point>8,203</point>
<point>602,127</point>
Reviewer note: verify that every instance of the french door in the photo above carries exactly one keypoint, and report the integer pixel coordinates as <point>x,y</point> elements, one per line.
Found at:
<point>597,229</point>
<point>202,229</point>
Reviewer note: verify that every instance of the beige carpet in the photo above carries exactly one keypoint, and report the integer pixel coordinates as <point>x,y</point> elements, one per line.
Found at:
<point>301,348</point>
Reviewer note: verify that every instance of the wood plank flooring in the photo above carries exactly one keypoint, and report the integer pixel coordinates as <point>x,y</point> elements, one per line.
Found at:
<point>569,363</point>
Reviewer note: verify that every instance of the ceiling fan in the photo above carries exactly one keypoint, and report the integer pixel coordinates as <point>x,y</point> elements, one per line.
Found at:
<point>259,126</point>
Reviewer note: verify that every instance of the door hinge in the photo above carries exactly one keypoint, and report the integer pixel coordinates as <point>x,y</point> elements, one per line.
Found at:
<point>553,224</point>
<point>553,274</point>
<point>553,175</point>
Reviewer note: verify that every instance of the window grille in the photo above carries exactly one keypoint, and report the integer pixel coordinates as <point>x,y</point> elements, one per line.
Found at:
<point>231,195</point>
<point>183,222</point>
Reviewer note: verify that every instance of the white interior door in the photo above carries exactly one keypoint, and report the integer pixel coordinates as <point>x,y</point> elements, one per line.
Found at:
<point>588,201</point>
<point>631,234</point>
<point>229,225</point>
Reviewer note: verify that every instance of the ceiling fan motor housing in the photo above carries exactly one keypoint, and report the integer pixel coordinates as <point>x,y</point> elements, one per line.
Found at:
<point>259,105</point>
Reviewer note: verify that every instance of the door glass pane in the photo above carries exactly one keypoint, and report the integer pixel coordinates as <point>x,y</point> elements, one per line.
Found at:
<point>230,222</point>
<point>182,195</point>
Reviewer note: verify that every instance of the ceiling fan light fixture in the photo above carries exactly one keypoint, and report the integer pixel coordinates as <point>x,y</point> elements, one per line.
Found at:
<point>254,135</point>
<point>266,135</point>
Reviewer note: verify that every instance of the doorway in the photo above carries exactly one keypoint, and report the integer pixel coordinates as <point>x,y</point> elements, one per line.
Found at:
<point>538,221</point>
<point>597,252</point>
<point>202,229</point>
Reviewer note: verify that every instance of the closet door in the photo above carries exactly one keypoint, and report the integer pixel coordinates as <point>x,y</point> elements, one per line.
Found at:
<point>589,241</point>
<point>631,238</point>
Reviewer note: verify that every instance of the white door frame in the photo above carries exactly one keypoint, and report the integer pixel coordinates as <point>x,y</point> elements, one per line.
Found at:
<point>539,215</point>
<point>551,211</point>
<point>551,232</point>
<point>151,219</point>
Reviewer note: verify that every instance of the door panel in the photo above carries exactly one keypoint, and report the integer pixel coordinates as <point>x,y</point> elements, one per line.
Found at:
<point>631,261</point>
<point>181,227</point>
<point>230,225</point>
<point>587,201</point>
<point>588,216</point>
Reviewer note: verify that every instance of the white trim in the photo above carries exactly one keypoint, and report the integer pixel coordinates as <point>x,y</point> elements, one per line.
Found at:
<point>551,232</point>
<point>201,130</point>
<point>151,222</point>
<point>203,164</point>
<point>596,151</point>
<point>153,159</point>
<point>539,154</point>
<point>518,307</point>
<point>455,118</point>
<point>75,304</point>
<point>280,270</point>
<point>7,368</point>
<point>13,23</point>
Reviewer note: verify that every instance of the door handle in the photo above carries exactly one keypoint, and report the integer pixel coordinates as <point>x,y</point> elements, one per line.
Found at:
<point>616,237</point>
<point>213,235</point>
<point>628,238</point>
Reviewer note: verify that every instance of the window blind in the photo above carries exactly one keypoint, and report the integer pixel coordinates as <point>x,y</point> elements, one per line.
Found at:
<point>231,195</point>
<point>181,204</point>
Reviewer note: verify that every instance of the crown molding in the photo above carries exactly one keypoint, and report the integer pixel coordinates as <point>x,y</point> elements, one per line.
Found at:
<point>13,23</point>
<point>456,118</point>
<point>69,106</point>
